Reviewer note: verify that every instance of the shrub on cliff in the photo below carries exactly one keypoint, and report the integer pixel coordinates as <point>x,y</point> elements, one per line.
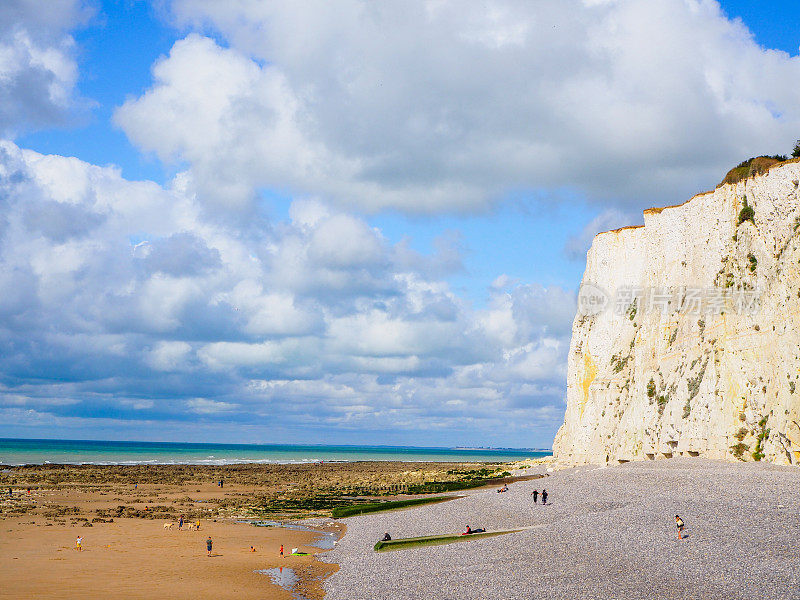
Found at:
<point>618,363</point>
<point>751,167</point>
<point>796,151</point>
<point>753,262</point>
<point>747,213</point>
<point>739,449</point>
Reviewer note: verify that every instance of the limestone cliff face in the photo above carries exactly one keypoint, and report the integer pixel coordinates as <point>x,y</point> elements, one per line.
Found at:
<point>697,349</point>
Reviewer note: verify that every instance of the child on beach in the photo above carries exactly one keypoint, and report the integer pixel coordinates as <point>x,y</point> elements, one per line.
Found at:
<point>544,496</point>
<point>535,494</point>
<point>78,543</point>
<point>679,525</point>
<point>209,544</point>
<point>281,550</point>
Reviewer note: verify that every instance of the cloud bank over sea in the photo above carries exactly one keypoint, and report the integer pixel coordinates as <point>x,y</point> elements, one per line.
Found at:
<point>129,301</point>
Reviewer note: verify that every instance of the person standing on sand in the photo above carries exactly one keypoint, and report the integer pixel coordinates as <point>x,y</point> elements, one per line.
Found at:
<point>209,545</point>
<point>78,543</point>
<point>281,550</point>
<point>535,494</point>
<point>544,496</point>
<point>679,525</point>
<point>180,523</point>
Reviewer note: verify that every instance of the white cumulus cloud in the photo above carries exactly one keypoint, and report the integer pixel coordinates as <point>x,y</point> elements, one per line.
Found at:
<point>38,71</point>
<point>446,106</point>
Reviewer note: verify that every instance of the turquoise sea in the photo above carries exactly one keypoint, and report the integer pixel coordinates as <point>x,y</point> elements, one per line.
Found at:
<point>20,452</point>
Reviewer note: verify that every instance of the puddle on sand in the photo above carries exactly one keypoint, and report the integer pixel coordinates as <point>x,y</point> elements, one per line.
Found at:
<point>284,577</point>
<point>325,541</point>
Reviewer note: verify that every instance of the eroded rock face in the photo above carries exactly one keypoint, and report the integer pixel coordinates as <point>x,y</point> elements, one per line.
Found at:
<point>697,349</point>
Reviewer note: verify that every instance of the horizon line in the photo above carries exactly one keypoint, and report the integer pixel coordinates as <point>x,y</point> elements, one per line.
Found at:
<point>462,448</point>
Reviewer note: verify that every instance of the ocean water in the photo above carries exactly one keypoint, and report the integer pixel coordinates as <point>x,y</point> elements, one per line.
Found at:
<point>20,452</point>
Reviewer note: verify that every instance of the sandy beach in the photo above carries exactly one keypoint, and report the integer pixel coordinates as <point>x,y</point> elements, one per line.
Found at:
<point>120,511</point>
<point>605,533</point>
<point>135,557</point>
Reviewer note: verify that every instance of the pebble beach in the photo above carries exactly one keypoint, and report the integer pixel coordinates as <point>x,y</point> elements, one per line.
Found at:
<point>605,533</point>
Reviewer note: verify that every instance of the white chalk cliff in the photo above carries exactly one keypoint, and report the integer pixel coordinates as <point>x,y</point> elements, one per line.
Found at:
<point>675,362</point>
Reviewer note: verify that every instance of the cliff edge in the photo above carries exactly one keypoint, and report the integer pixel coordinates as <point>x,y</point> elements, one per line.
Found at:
<point>687,337</point>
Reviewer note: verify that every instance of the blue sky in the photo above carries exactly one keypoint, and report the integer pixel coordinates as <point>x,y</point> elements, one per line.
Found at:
<point>288,223</point>
<point>774,24</point>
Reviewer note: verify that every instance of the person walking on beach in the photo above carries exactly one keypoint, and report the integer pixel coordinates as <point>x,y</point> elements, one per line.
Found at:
<point>535,494</point>
<point>281,550</point>
<point>209,545</point>
<point>78,543</point>
<point>544,496</point>
<point>679,525</point>
<point>180,523</point>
